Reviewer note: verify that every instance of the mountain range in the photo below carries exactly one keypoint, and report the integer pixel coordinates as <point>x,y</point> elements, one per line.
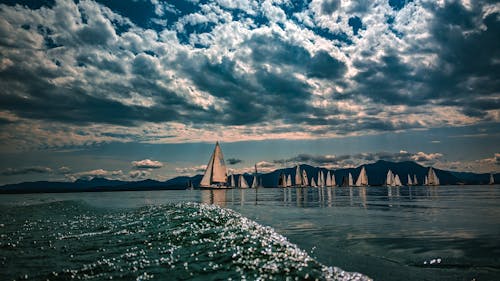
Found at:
<point>376,177</point>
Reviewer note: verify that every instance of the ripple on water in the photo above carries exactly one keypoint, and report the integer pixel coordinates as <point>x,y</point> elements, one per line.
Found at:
<point>181,241</point>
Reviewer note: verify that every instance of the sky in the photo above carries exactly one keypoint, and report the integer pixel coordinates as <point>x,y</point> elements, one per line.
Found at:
<point>143,89</point>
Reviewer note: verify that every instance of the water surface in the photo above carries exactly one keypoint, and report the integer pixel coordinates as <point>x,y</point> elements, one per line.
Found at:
<point>405,233</point>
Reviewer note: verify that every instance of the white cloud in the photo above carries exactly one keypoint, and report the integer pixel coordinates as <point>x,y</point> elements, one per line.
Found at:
<point>147,164</point>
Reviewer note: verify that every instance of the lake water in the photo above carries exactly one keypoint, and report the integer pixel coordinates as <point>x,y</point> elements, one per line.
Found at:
<point>405,233</point>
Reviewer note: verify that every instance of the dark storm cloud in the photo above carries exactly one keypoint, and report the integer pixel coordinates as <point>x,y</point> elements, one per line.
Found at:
<point>27,170</point>
<point>234,161</point>
<point>463,76</point>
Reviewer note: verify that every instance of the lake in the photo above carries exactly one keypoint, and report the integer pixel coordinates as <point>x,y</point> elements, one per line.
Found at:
<point>398,233</point>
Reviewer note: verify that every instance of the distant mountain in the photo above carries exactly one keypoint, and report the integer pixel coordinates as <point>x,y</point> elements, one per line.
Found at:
<point>376,176</point>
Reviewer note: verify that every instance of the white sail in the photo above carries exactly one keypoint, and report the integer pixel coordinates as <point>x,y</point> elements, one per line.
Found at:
<point>298,176</point>
<point>492,180</point>
<point>232,183</point>
<point>320,176</point>
<point>254,182</point>
<point>409,182</point>
<point>389,180</point>
<point>313,182</point>
<point>397,181</point>
<point>426,181</point>
<point>216,172</point>
<point>305,180</point>
<point>328,179</point>
<point>415,182</point>
<point>289,181</point>
<point>363,178</point>
<point>432,178</point>
<point>351,183</point>
<point>334,183</point>
<point>243,182</point>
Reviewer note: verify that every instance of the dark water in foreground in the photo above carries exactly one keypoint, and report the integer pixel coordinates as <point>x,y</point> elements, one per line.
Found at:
<point>417,233</point>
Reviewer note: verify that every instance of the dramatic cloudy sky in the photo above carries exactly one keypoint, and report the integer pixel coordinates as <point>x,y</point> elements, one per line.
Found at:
<point>142,89</point>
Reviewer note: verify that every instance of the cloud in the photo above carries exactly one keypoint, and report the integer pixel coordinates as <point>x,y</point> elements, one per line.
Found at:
<point>234,161</point>
<point>236,68</point>
<point>139,174</point>
<point>27,170</point>
<point>191,170</point>
<point>147,164</point>
<point>98,173</point>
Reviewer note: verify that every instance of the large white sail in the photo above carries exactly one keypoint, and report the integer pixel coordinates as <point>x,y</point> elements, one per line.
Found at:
<point>492,180</point>
<point>298,176</point>
<point>305,180</point>
<point>243,182</point>
<point>328,179</point>
<point>363,178</point>
<point>313,182</point>
<point>216,172</point>
<point>409,182</point>
<point>334,183</point>
<point>289,180</point>
<point>415,182</point>
<point>351,183</point>
<point>397,181</point>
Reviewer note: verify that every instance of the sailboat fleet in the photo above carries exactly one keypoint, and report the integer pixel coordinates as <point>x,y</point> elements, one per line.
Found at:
<point>216,177</point>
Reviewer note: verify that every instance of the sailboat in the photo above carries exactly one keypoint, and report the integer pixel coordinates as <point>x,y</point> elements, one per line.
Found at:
<point>289,181</point>
<point>415,182</point>
<point>242,182</point>
<point>321,179</point>
<point>232,183</point>
<point>298,176</point>
<point>409,182</point>
<point>305,181</point>
<point>397,181</point>
<point>426,180</point>
<point>216,173</point>
<point>334,183</point>
<point>313,182</point>
<point>351,183</point>
<point>255,183</point>
<point>389,180</point>
<point>363,178</point>
<point>432,178</point>
<point>328,179</point>
<point>492,180</point>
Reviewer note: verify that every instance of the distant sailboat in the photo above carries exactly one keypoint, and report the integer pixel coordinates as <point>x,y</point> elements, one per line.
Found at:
<point>363,178</point>
<point>328,179</point>
<point>351,183</point>
<point>492,180</point>
<point>282,180</point>
<point>298,176</point>
<point>334,183</point>
<point>409,182</point>
<point>243,182</point>
<point>321,181</point>
<point>313,182</point>
<point>415,182</point>
<point>232,183</point>
<point>216,173</point>
<point>397,181</point>
<point>305,180</point>
<point>426,180</point>
<point>255,182</point>
<point>289,181</point>
<point>389,180</point>
<point>432,178</point>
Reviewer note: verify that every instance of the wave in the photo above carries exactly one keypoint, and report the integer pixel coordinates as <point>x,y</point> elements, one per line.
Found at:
<point>178,241</point>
